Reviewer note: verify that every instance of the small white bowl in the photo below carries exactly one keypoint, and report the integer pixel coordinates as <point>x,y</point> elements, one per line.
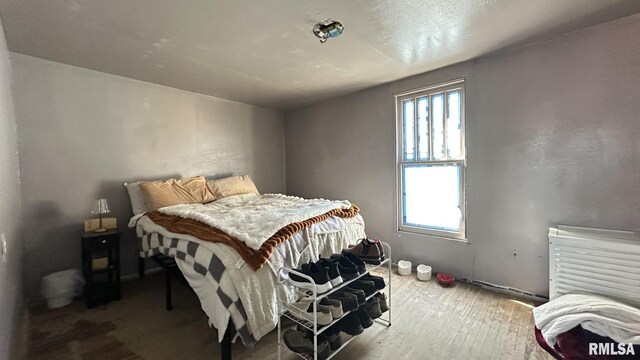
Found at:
<point>424,272</point>
<point>404,267</point>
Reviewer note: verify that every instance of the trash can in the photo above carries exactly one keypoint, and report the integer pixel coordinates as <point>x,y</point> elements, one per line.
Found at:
<point>59,288</point>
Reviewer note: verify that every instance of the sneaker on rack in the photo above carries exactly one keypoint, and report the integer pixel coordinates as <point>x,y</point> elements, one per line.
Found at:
<point>332,337</point>
<point>334,305</point>
<point>348,270</point>
<point>333,270</point>
<point>316,272</point>
<point>373,307</point>
<point>335,341</point>
<point>348,301</point>
<point>378,244</point>
<point>367,286</point>
<point>382,297</point>
<point>350,324</point>
<point>365,318</point>
<point>303,310</point>
<point>361,297</point>
<point>356,261</point>
<point>299,342</point>
<point>378,281</point>
<point>367,250</point>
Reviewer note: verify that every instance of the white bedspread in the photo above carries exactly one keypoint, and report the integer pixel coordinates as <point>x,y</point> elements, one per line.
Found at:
<point>595,313</point>
<point>252,218</point>
<point>257,289</point>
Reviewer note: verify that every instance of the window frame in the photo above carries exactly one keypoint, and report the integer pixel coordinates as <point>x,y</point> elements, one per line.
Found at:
<point>443,88</point>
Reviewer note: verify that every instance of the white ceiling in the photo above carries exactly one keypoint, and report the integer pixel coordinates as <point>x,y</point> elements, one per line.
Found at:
<point>263,52</point>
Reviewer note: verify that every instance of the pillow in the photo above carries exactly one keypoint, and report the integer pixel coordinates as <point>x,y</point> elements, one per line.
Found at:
<point>137,200</point>
<point>233,185</point>
<point>163,193</point>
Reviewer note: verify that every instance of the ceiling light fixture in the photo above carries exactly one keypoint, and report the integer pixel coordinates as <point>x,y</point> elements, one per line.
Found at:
<point>327,29</point>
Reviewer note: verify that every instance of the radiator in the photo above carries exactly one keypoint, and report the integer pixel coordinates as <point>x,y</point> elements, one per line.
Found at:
<point>595,261</point>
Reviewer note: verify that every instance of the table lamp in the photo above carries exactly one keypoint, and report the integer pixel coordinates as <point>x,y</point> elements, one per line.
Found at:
<point>101,207</point>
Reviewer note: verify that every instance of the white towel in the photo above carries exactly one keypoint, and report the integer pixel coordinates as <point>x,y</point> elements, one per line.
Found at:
<point>595,313</point>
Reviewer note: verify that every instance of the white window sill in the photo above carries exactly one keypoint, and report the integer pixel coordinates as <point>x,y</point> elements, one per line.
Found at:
<point>441,237</point>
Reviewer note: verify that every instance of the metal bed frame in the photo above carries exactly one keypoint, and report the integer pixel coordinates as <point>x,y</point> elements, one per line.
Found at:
<point>170,268</point>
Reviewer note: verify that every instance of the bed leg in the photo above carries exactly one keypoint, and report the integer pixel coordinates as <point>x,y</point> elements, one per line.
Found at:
<point>140,267</point>
<point>225,345</point>
<point>167,282</point>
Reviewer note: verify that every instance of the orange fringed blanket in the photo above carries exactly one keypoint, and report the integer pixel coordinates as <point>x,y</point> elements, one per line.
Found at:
<point>255,259</point>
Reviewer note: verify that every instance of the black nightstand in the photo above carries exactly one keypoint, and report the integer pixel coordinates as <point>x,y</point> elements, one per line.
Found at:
<point>101,266</point>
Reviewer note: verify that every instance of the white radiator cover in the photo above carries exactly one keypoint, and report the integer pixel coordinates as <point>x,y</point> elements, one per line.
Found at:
<point>595,261</point>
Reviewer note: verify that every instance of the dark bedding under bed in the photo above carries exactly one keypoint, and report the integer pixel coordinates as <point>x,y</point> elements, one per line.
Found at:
<point>574,345</point>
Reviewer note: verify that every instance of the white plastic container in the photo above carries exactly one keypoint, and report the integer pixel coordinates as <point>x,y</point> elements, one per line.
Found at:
<point>60,287</point>
<point>424,272</point>
<point>404,267</point>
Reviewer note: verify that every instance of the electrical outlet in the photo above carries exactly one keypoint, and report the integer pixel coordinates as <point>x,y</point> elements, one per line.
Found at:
<point>3,245</point>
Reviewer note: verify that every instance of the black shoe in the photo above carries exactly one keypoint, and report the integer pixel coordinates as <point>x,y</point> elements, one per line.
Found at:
<point>349,301</point>
<point>319,275</point>
<point>378,281</point>
<point>330,336</point>
<point>350,324</point>
<point>333,270</point>
<point>362,298</point>
<point>334,339</point>
<point>333,329</point>
<point>365,318</point>
<point>382,301</point>
<point>373,307</point>
<point>357,262</point>
<point>348,270</point>
<point>298,342</point>
<point>367,286</point>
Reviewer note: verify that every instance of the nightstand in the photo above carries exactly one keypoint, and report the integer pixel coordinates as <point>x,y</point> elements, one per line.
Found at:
<point>101,266</point>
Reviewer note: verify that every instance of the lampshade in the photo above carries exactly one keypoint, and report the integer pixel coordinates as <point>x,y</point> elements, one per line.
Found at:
<point>100,207</point>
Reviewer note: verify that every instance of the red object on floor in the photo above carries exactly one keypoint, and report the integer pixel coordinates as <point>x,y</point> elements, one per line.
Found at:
<point>445,279</point>
<point>543,344</point>
<point>574,345</point>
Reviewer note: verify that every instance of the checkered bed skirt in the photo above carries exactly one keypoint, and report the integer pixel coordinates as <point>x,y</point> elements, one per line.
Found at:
<point>208,265</point>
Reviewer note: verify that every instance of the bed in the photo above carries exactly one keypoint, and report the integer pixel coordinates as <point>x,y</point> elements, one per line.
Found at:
<point>237,291</point>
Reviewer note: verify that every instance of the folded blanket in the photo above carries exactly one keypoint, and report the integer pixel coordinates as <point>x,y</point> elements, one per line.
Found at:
<point>595,313</point>
<point>255,258</point>
<point>253,219</point>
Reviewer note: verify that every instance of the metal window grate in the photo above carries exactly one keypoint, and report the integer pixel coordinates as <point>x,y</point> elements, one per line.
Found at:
<point>437,113</point>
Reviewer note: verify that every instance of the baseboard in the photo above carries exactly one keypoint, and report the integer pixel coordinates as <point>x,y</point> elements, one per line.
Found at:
<point>522,294</point>
<point>509,291</point>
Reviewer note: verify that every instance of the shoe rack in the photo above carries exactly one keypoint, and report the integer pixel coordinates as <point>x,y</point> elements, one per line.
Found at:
<point>283,278</point>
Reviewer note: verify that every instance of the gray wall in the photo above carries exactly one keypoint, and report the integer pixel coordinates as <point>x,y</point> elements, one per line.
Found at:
<point>83,133</point>
<point>10,265</point>
<point>553,136</point>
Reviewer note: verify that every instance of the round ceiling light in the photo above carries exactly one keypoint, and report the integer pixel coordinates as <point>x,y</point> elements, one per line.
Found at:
<point>327,29</point>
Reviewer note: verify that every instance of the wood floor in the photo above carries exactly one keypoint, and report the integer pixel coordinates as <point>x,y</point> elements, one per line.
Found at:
<point>428,322</point>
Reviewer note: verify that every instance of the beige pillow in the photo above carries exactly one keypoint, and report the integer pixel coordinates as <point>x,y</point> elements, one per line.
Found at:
<point>233,185</point>
<point>163,193</point>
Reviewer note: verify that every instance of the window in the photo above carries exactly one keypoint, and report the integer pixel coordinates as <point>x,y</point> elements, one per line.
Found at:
<point>431,160</point>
